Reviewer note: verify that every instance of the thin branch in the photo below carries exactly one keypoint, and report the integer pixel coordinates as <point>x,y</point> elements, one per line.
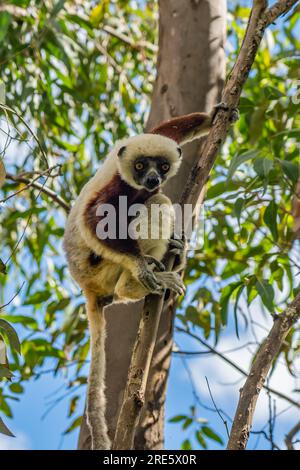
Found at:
<point>30,183</point>
<point>13,298</point>
<point>237,367</point>
<point>278,9</point>
<point>119,70</point>
<point>12,111</point>
<point>216,408</point>
<point>44,189</point>
<point>265,356</point>
<point>127,40</point>
<point>290,436</point>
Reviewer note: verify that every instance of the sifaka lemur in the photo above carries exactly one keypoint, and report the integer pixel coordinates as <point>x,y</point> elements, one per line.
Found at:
<point>125,268</point>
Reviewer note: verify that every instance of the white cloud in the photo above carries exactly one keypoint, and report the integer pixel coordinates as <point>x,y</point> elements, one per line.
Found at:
<point>20,442</point>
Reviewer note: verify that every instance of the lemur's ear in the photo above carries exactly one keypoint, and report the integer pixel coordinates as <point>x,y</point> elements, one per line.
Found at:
<point>179,151</point>
<point>186,128</point>
<point>121,151</point>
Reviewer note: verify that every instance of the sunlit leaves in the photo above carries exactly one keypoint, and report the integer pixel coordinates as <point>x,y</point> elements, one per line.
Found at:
<point>75,424</point>
<point>5,19</point>
<point>98,12</point>
<point>291,170</point>
<point>200,428</point>
<point>266,292</point>
<point>238,159</point>
<point>11,335</point>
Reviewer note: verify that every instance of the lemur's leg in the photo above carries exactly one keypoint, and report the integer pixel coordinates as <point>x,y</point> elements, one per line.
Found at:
<point>128,288</point>
<point>96,401</point>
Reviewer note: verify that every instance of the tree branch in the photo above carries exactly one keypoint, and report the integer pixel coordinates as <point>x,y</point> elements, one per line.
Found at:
<point>237,367</point>
<point>258,373</point>
<point>289,437</point>
<point>143,348</point>
<point>44,189</point>
<point>129,41</point>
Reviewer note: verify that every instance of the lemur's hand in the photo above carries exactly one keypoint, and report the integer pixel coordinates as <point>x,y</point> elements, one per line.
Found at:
<point>172,281</point>
<point>234,113</point>
<point>150,260</point>
<point>149,280</point>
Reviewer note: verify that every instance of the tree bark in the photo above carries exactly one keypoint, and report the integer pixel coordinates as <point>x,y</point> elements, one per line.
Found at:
<point>190,76</point>
<point>265,356</point>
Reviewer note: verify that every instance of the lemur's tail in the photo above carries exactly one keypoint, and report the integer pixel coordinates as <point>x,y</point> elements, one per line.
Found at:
<point>96,402</point>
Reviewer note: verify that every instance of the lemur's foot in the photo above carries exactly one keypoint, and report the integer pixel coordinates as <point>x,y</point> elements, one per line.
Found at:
<point>234,112</point>
<point>151,260</point>
<point>149,280</point>
<point>171,280</point>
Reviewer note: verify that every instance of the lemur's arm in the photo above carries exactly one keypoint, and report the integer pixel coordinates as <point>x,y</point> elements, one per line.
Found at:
<point>189,127</point>
<point>186,128</point>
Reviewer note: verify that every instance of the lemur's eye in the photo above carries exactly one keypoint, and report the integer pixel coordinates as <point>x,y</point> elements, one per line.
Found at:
<point>139,166</point>
<point>165,167</point>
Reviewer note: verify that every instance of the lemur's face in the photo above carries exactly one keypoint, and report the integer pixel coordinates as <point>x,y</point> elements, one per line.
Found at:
<point>150,172</point>
<point>147,161</point>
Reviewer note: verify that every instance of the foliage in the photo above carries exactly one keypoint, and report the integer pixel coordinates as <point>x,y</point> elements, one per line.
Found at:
<point>77,73</point>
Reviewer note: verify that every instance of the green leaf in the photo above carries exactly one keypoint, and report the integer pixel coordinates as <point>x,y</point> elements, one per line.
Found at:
<point>5,19</point>
<point>11,335</point>
<point>263,166</point>
<point>236,323</point>
<point>187,423</point>
<point>2,167</point>
<point>23,319</point>
<point>270,219</point>
<point>16,388</point>
<point>224,300</point>
<point>4,429</point>
<point>291,170</point>
<point>266,293</point>
<point>186,445</point>
<point>75,424</point>
<point>211,434</point>
<point>72,406</point>
<point>200,439</point>
<point>98,12</point>
<point>238,159</point>
<point>177,419</point>
<point>37,298</point>
<point>238,207</point>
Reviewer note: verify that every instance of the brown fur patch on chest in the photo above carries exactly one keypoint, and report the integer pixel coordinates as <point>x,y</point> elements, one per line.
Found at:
<point>110,195</point>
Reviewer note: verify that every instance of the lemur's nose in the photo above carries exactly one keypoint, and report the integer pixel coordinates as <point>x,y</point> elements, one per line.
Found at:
<point>152,181</point>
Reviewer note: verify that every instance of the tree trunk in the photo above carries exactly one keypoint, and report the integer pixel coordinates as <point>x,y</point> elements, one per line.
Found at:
<point>190,76</point>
